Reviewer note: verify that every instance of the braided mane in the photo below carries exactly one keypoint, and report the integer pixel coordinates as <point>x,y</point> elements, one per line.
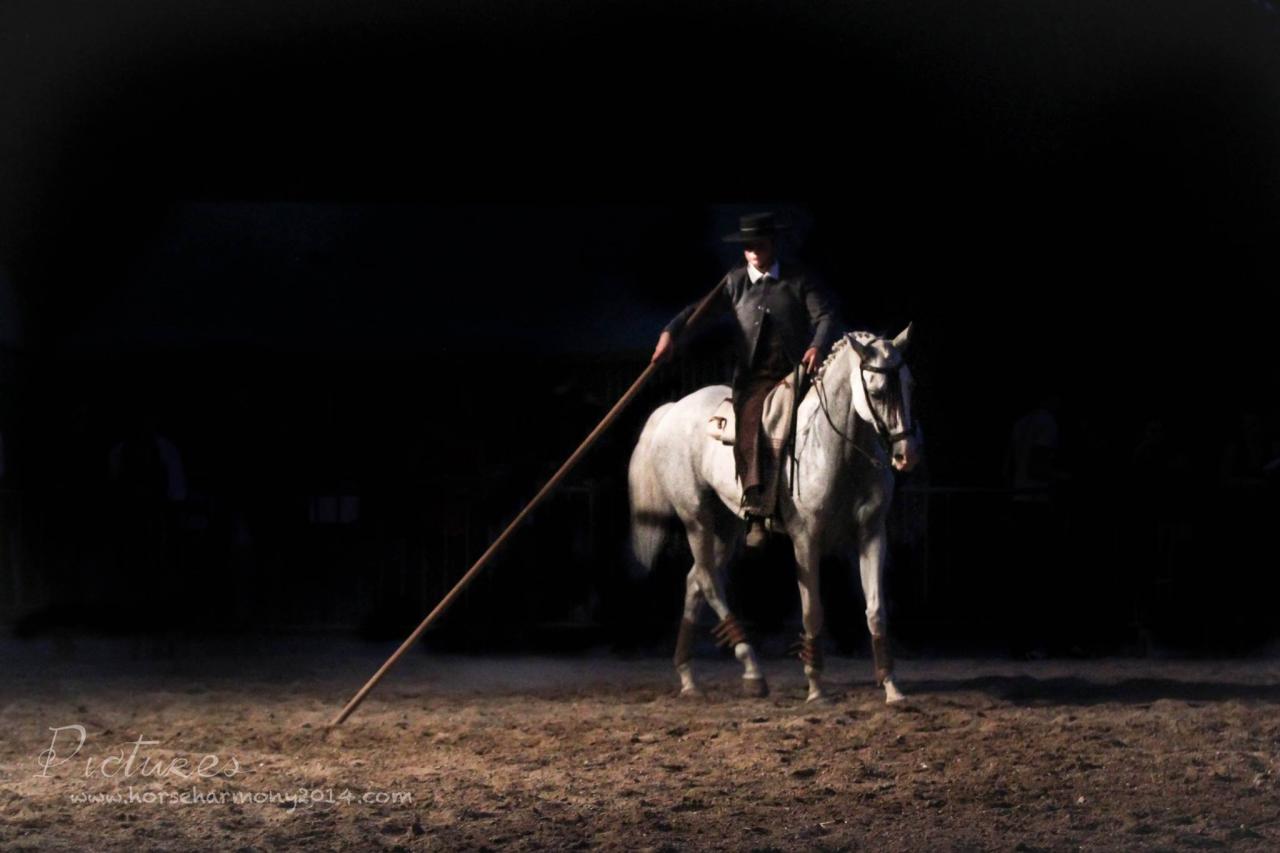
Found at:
<point>843,344</point>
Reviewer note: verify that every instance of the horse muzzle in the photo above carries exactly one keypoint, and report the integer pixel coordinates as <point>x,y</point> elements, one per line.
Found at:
<point>906,454</point>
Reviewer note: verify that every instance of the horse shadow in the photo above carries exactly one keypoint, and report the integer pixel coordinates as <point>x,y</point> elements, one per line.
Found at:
<point>1082,691</point>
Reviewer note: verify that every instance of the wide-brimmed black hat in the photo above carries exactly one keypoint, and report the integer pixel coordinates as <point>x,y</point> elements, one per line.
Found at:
<point>754,226</point>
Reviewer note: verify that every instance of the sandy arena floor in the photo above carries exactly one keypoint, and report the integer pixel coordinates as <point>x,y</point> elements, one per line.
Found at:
<point>457,753</point>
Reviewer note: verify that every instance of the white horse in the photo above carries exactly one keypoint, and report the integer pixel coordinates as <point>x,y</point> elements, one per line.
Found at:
<point>854,422</point>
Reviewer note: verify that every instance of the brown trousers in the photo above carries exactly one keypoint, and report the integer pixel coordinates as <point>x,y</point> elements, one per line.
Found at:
<point>752,452</point>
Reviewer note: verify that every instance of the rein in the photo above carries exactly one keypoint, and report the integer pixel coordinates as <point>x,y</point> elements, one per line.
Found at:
<point>826,410</point>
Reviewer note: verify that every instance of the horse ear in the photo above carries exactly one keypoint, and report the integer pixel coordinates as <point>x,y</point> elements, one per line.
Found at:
<point>903,338</point>
<point>857,346</point>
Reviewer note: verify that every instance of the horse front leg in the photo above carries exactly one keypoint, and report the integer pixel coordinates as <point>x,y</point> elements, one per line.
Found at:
<point>811,616</point>
<point>871,567</point>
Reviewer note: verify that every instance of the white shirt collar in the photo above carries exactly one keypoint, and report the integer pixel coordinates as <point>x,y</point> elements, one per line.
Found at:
<point>756,275</point>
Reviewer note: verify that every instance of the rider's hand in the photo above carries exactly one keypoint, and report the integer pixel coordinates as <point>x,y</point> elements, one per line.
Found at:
<point>810,359</point>
<point>663,350</point>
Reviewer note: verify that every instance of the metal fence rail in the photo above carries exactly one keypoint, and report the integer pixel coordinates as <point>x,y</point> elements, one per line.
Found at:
<point>958,562</point>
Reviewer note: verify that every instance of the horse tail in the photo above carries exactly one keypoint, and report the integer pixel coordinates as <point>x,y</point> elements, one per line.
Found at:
<point>650,508</point>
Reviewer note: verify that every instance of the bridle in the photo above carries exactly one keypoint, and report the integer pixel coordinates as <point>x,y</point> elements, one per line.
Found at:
<point>883,435</point>
<point>882,430</point>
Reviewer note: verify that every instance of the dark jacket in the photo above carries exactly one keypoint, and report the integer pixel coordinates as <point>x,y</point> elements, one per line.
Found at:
<point>798,307</point>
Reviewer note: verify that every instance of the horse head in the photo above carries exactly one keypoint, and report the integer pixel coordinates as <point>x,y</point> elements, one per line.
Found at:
<point>882,389</point>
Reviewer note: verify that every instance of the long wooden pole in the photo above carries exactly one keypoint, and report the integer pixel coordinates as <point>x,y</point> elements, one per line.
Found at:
<point>529,507</point>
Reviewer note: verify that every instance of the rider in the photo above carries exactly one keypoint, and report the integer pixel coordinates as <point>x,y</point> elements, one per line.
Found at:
<point>784,318</point>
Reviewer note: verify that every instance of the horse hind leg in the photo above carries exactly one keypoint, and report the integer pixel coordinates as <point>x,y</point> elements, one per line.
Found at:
<point>729,632</point>
<point>710,552</point>
<point>684,640</point>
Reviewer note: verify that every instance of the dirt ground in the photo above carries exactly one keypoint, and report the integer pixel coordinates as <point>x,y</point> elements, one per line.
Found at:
<point>454,753</point>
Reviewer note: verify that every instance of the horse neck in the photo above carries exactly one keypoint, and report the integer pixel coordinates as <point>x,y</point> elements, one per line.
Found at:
<point>825,454</point>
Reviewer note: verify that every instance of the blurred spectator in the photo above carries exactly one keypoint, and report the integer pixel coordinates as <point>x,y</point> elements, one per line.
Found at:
<point>1246,530</point>
<point>1158,537</point>
<point>1034,569</point>
<point>1247,453</point>
<point>146,464</point>
<point>148,484</point>
<point>1034,445</point>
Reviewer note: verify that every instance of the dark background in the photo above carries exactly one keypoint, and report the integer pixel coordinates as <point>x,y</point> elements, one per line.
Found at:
<point>411,252</point>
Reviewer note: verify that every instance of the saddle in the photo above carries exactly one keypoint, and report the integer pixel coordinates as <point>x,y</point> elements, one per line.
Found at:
<point>777,423</point>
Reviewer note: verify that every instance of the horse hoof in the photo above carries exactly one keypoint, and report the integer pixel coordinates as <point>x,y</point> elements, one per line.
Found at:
<point>892,695</point>
<point>689,693</point>
<point>755,688</point>
<point>817,697</point>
